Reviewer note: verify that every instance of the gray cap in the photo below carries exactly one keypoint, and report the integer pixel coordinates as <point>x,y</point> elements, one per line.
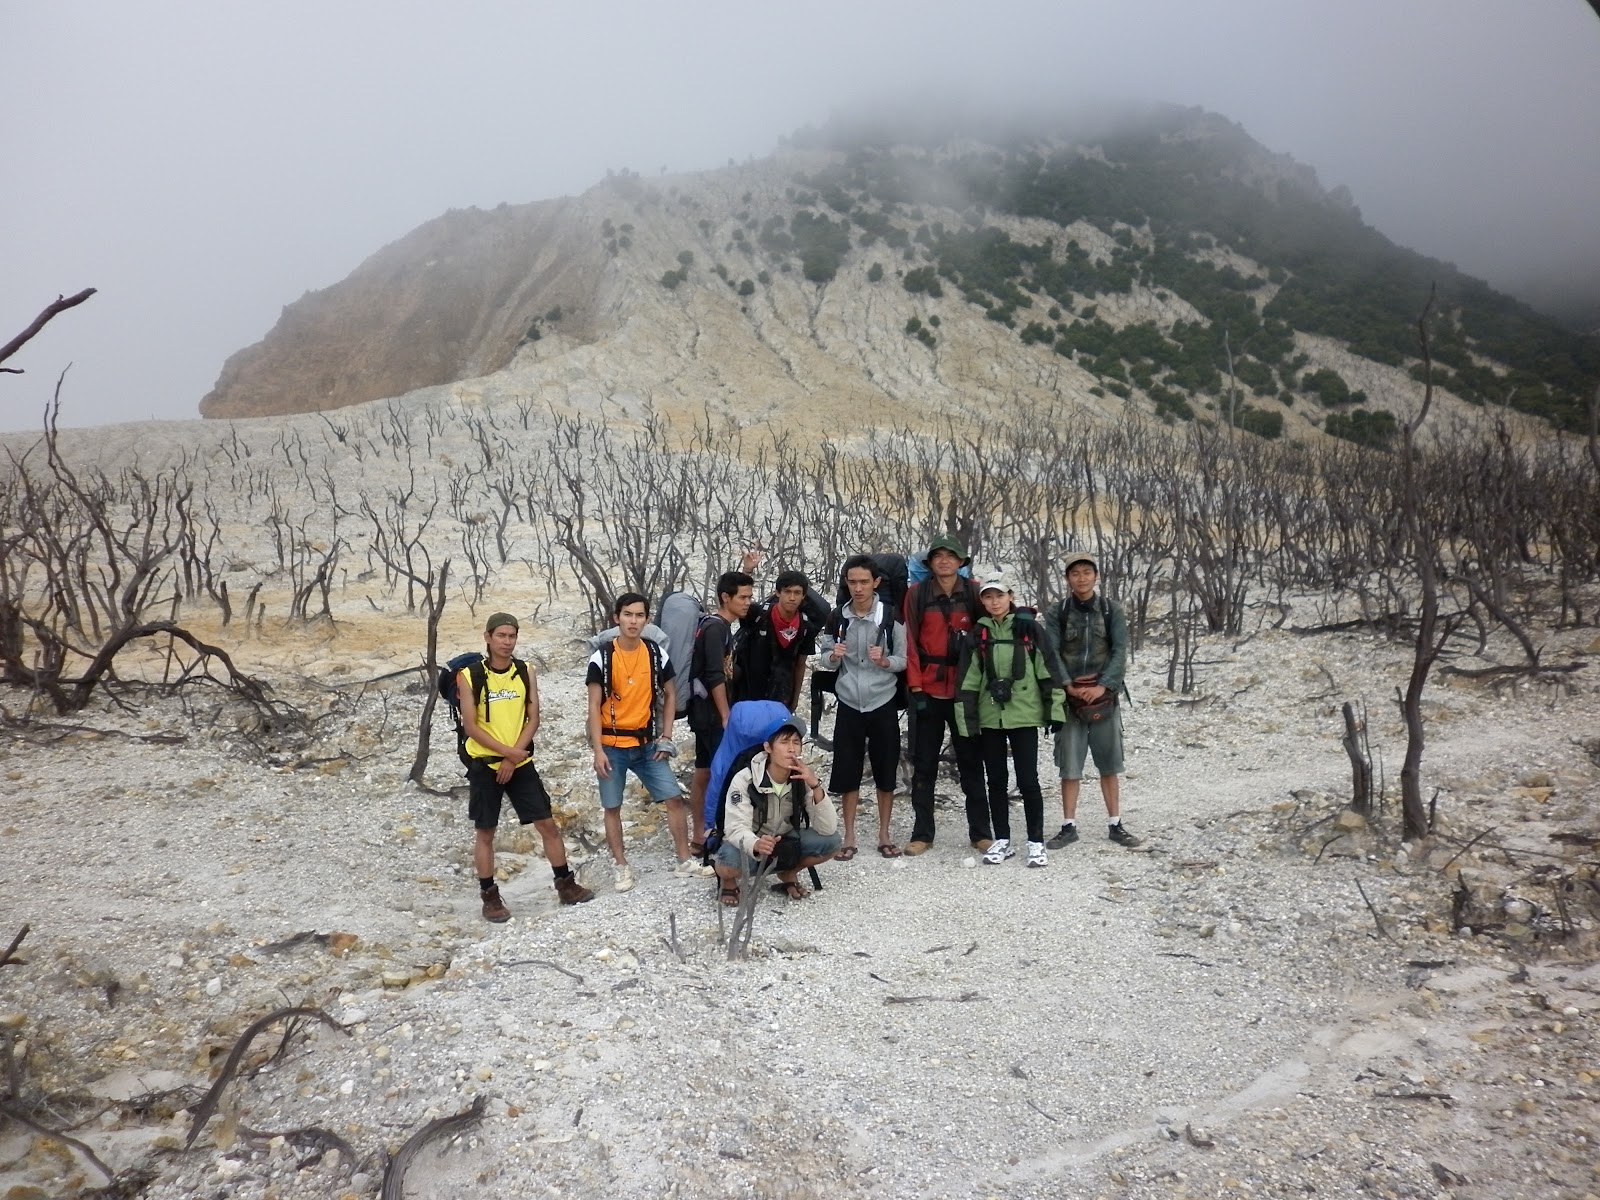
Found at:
<point>1074,559</point>
<point>995,581</point>
<point>796,723</point>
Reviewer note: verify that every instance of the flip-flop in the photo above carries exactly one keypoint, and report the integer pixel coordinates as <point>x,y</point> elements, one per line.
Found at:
<point>889,850</point>
<point>792,890</point>
<point>846,853</point>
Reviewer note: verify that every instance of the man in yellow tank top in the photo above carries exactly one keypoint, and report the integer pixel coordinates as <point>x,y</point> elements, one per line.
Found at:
<point>500,725</point>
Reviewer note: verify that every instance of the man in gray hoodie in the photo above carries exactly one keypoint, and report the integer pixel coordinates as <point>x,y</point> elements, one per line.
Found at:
<point>865,643</point>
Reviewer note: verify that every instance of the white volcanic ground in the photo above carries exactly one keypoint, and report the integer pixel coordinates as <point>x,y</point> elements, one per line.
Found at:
<point>1215,1014</point>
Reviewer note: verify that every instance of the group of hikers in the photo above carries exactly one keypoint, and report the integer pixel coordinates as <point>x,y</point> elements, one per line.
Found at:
<point>951,648</point>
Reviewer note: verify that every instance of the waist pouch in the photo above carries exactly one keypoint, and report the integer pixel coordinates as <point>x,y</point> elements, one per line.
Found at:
<point>1092,712</point>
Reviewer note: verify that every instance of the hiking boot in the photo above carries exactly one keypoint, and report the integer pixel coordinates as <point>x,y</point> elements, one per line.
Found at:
<point>1036,855</point>
<point>1068,835</point>
<point>692,868</point>
<point>571,891</point>
<point>999,850</point>
<point>1121,836</point>
<point>982,844</point>
<point>624,879</point>
<point>494,908</point>
<point>916,848</point>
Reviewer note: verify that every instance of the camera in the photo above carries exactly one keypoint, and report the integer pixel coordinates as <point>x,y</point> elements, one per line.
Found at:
<point>1000,689</point>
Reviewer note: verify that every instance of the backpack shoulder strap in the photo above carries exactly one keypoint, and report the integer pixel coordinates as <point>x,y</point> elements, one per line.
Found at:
<point>521,669</point>
<point>478,676</point>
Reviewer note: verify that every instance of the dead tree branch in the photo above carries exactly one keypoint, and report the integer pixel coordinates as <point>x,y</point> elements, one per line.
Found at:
<point>59,305</point>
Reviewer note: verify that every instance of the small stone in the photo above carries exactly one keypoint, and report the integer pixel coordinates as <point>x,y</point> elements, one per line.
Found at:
<point>340,944</point>
<point>1209,929</point>
<point>175,961</point>
<point>347,1087</point>
<point>1350,820</point>
<point>214,986</point>
<point>969,861</point>
<point>396,979</point>
<point>353,1016</point>
<point>13,1021</point>
<point>484,1074</point>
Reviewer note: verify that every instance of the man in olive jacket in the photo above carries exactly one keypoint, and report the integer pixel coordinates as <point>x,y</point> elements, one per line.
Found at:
<point>1087,638</point>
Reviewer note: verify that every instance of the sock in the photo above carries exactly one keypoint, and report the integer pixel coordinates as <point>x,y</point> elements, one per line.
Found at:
<point>1117,824</point>
<point>562,871</point>
<point>1070,824</point>
<point>485,884</point>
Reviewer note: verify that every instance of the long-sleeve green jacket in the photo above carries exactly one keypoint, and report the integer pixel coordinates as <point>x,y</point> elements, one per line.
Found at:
<point>1034,701</point>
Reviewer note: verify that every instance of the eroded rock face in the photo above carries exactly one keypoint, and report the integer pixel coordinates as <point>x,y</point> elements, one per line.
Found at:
<point>450,300</point>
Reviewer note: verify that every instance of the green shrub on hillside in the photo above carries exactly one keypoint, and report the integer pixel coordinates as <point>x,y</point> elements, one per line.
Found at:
<point>1260,422</point>
<point>1374,427</point>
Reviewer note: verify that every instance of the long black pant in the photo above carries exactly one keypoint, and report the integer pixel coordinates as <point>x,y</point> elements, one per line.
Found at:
<point>928,726</point>
<point>1024,751</point>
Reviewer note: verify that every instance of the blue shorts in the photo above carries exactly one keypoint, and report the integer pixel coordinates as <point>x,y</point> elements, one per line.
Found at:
<point>656,774</point>
<point>812,845</point>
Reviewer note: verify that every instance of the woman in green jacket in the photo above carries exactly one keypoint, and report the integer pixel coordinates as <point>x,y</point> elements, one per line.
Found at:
<point>1005,697</point>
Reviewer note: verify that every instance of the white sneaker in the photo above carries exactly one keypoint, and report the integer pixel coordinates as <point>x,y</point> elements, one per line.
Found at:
<point>999,850</point>
<point>1036,855</point>
<point>624,881</point>
<point>692,868</point>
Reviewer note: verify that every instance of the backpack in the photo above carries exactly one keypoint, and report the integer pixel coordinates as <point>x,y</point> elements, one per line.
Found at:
<point>750,723</point>
<point>893,573</point>
<point>755,651</point>
<point>697,659</point>
<point>917,601</point>
<point>1103,606</point>
<point>607,653</point>
<point>680,616</point>
<point>836,627</point>
<point>477,668</point>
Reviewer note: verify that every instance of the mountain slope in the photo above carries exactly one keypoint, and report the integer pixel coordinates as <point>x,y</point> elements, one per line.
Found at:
<point>858,276</point>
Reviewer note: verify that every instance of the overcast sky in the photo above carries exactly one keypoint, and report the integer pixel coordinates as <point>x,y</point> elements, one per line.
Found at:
<point>204,164</point>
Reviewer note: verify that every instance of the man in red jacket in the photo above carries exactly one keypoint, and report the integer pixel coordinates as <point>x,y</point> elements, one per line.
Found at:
<point>938,611</point>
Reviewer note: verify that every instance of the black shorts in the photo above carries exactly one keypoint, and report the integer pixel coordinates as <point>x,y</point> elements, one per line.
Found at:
<point>859,737</point>
<point>525,790</point>
<point>705,746</point>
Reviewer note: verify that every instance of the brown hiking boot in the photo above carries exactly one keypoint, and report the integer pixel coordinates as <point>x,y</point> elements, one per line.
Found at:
<point>494,908</point>
<point>571,891</point>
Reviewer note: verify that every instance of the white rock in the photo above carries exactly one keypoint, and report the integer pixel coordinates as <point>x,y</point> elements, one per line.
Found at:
<point>969,861</point>
<point>349,1085</point>
<point>214,986</point>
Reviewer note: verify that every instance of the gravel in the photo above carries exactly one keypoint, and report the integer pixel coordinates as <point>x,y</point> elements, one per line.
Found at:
<point>1266,998</point>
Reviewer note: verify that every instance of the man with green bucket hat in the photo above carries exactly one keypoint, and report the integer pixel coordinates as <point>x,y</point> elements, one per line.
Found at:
<point>939,612</point>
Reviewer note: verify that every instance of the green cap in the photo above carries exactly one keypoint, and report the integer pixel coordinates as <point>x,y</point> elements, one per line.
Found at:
<point>945,542</point>
<point>498,619</point>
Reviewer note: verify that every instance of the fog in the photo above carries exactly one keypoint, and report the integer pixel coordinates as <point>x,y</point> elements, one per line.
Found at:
<point>204,165</point>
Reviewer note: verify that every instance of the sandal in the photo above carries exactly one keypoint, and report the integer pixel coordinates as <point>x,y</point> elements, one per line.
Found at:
<point>889,850</point>
<point>792,890</point>
<point>845,854</point>
<point>728,894</point>
<point>697,849</point>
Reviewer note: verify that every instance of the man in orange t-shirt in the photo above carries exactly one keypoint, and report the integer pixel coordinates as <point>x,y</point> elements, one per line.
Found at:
<point>631,708</point>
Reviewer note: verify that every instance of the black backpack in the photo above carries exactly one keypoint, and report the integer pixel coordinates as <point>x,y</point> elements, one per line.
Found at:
<point>607,652</point>
<point>838,624</point>
<point>893,573</point>
<point>799,817</point>
<point>477,669</point>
